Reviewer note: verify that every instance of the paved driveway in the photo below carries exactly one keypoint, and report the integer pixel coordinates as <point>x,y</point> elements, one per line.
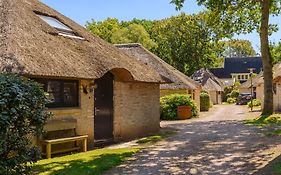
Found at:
<point>217,143</point>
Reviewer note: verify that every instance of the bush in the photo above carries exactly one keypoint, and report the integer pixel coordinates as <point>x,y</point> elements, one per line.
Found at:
<point>231,100</point>
<point>22,115</point>
<point>234,93</point>
<point>205,102</point>
<point>256,102</point>
<point>170,103</point>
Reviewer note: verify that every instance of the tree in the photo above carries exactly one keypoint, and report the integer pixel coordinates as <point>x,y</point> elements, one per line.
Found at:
<point>240,16</point>
<point>133,33</point>
<point>22,116</point>
<point>238,48</point>
<point>275,50</point>
<point>115,32</point>
<point>104,29</point>
<point>185,42</point>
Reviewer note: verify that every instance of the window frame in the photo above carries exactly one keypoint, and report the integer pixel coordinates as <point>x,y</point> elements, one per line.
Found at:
<point>67,32</point>
<point>74,104</point>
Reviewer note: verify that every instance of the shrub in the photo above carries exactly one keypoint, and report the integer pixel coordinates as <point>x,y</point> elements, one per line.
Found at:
<point>170,103</point>
<point>205,102</point>
<point>22,115</point>
<point>256,102</point>
<point>234,93</point>
<point>231,100</point>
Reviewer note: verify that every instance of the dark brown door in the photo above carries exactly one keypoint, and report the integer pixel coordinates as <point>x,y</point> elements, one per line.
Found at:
<point>103,121</point>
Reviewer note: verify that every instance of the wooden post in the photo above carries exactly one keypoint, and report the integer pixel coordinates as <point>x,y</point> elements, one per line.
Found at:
<point>84,145</point>
<point>48,150</point>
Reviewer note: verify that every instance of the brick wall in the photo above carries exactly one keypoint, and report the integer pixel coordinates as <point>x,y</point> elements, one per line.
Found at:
<point>136,110</point>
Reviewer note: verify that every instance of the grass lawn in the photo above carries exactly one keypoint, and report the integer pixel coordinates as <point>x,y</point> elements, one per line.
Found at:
<point>96,161</point>
<point>265,120</point>
<point>91,162</point>
<point>156,138</point>
<point>277,168</point>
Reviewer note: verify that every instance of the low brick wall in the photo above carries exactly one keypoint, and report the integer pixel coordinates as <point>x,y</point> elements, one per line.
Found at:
<point>136,110</point>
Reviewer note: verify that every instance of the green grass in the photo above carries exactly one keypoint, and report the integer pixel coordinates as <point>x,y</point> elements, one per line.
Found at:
<point>265,120</point>
<point>277,168</point>
<point>94,162</point>
<point>156,138</point>
<point>88,163</point>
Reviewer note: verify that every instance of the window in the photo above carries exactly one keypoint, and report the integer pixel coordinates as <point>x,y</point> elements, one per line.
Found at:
<point>242,77</point>
<point>246,77</point>
<point>63,29</point>
<point>239,77</point>
<point>62,93</point>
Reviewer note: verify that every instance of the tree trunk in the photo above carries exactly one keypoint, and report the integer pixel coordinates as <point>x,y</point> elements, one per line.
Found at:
<point>266,59</point>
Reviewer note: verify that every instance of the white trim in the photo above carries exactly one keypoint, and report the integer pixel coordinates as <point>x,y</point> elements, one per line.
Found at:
<point>71,36</point>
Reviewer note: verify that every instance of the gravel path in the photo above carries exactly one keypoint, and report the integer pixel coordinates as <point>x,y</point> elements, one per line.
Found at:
<point>216,143</point>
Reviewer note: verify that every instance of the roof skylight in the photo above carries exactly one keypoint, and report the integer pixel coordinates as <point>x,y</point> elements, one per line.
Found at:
<point>54,23</point>
<point>63,29</point>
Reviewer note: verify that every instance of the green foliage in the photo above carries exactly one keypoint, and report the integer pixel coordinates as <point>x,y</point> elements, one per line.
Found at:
<point>89,163</point>
<point>256,103</point>
<point>104,29</point>
<point>230,92</point>
<point>231,100</point>
<point>238,48</point>
<point>205,102</point>
<point>22,115</point>
<point>134,33</point>
<point>186,42</point>
<point>275,50</point>
<point>234,93</point>
<point>265,120</point>
<point>163,134</point>
<point>117,32</point>
<point>170,103</point>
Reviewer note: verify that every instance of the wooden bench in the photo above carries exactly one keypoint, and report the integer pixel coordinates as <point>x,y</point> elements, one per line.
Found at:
<point>63,126</point>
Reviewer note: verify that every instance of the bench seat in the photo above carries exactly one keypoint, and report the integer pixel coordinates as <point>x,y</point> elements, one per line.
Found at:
<point>51,142</point>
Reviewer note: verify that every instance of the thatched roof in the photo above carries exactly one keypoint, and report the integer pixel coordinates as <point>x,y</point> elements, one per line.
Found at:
<point>255,81</point>
<point>175,78</point>
<point>277,72</point>
<point>32,47</point>
<point>208,80</point>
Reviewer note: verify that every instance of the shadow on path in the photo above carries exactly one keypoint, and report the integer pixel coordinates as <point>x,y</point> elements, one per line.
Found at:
<point>205,147</point>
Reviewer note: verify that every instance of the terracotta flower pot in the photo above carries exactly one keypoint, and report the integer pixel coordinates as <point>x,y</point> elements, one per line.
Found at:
<point>184,112</point>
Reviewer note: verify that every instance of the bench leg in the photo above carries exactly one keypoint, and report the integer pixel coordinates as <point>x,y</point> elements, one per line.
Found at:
<point>48,150</point>
<point>84,145</point>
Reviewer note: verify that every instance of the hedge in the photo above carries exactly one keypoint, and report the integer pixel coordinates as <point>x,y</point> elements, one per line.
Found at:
<point>205,102</point>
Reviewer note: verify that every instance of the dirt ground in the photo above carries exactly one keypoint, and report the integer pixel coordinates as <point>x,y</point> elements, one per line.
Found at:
<point>215,143</point>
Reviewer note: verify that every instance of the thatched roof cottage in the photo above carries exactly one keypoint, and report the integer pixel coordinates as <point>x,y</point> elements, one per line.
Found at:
<point>210,83</point>
<point>110,95</point>
<point>176,81</point>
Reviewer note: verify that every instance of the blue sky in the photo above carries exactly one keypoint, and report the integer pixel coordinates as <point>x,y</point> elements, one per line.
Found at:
<point>85,10</point>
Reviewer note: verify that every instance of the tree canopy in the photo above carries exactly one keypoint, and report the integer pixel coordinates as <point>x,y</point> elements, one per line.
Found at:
<point>186,42</point>
<point>238,48</point>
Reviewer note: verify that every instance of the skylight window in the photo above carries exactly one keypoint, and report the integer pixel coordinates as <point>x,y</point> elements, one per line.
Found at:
<point>63,29</point>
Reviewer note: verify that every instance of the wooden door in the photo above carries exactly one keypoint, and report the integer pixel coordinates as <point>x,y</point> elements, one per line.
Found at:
<point>103,103</point>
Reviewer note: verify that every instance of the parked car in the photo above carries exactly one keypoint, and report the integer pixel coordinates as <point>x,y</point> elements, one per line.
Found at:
<point>243,98</point>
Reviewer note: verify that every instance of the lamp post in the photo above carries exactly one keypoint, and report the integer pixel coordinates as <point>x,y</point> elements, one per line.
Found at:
<point>251,78</point>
